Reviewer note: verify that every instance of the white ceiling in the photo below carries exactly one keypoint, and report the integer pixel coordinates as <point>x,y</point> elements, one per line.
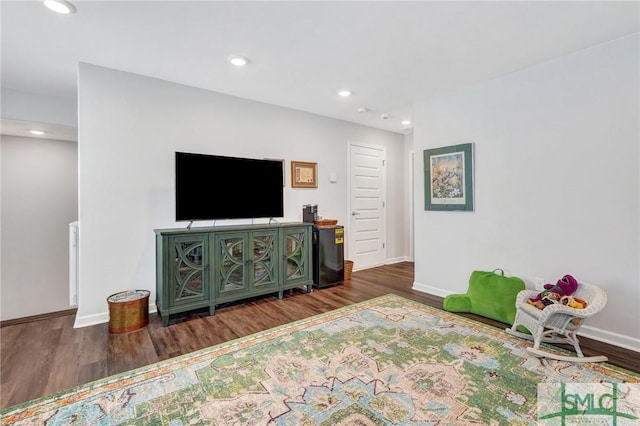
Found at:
<point>390,54</point>
<point>51,130</point>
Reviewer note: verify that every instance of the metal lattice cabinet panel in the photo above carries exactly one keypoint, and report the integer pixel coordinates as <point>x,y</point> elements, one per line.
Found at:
<point>246,264</point>
<point>182,268</point>
<point>189,270</point>
<point>230,261</point>
<point>264,263</point>
<point>296,256</point>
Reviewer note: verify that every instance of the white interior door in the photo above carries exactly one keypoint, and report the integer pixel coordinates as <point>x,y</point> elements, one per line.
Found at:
<point>366,233</point>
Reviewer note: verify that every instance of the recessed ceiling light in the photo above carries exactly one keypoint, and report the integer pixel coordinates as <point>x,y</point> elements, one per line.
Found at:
<point>406,122</point>
<point>362,109</point>
<point>36,132</point>
<point>344,93</point>
<point>238,61</point>
<point>60,6</point>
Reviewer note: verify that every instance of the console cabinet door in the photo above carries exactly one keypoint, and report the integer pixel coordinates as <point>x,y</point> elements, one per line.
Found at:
<point>246,264</point>
<point>296,256</point>
<point>189,270</point>
<point>231,260</point>
<point>263,266</point>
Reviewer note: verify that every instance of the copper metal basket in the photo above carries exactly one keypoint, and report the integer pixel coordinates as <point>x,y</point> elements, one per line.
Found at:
<point>128,310</point>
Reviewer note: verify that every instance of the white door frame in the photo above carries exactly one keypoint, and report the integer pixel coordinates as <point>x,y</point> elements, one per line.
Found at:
<point>411,203</point>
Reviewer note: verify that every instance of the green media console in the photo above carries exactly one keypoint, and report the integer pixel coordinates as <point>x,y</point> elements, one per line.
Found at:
<point>204,267</point>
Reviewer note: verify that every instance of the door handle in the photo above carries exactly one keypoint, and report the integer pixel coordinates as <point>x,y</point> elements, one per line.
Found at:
<point>354,213</point>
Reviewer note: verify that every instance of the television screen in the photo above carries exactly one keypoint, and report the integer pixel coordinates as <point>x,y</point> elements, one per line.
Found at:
<point>216,187</point>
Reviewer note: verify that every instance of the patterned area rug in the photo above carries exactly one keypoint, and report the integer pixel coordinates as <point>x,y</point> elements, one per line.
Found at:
<point>385,361</point>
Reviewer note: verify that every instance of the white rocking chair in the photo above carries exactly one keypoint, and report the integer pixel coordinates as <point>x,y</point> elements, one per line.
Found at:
<point>557,323</point>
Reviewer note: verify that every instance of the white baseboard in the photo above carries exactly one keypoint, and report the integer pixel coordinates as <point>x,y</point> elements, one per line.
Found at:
<point>87,320</point>
<point>356,267</point>
<point>610,337</point>
<point>594,333</point>
<point>397,260</point>
<point>101,318</point>
<point>430,289</point>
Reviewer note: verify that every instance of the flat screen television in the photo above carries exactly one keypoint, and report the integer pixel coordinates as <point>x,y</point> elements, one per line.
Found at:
<point>211,187</point>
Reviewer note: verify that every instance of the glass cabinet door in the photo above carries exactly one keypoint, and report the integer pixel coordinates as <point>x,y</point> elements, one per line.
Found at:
<point>294,255</point>
<point>264,261</point>
<point>189,269</point>
<point>231,261</point>
<point>247,264</point>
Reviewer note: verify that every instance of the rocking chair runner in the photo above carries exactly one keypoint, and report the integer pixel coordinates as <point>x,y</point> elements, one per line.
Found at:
<point>557,323</point>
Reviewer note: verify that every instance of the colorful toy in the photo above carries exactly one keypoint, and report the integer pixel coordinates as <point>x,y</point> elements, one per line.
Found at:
<point>573,302</point>
<point>565,286</point>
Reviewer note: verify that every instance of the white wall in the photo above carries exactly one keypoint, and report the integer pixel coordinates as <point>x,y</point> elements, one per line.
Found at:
<point>129,128</point>
<point>39,200</point>
<point>556,181</point>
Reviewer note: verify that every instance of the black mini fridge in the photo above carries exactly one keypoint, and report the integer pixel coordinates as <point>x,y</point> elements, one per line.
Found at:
<point>328,255</point>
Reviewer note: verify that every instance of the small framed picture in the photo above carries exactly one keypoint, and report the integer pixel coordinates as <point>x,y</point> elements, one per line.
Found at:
<point>304,175</point>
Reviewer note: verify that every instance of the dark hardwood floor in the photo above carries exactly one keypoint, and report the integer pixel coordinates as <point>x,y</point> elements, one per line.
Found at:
<point>46,356</point>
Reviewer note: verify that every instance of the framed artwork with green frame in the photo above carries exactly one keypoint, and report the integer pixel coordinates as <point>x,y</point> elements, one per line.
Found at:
<point>448,178</point>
